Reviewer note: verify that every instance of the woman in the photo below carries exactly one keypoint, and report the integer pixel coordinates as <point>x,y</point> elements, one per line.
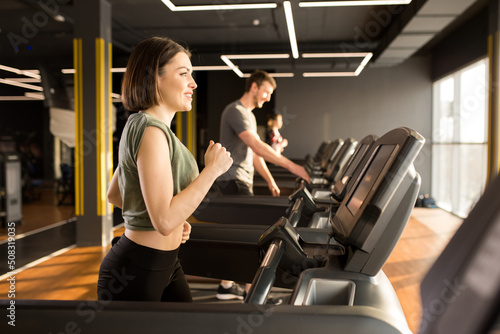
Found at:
<point>156,183</point>
<point>273,136</point>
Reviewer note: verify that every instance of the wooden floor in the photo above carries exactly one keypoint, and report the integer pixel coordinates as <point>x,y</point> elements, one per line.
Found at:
<point>42,212</point>
<point>72,275</point>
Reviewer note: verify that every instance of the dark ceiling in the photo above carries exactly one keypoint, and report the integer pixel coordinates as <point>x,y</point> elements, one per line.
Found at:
<point>29,35</point>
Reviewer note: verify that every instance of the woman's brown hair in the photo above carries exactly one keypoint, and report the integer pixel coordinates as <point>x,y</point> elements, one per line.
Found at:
<point>140,81</point>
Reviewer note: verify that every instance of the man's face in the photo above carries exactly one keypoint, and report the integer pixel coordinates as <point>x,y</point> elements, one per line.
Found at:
<point>262,94</point>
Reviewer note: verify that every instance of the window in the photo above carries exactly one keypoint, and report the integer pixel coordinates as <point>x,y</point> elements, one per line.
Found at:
<point>459,138</point>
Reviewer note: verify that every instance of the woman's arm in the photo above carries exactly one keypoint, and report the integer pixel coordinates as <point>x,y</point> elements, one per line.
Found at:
<point>114,195</point>
<point>168,212</point>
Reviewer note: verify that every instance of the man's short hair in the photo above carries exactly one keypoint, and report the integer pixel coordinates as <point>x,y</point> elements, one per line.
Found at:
<point>259,77</point>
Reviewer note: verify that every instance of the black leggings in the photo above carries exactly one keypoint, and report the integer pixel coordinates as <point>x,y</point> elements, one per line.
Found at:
<point>132,272</point>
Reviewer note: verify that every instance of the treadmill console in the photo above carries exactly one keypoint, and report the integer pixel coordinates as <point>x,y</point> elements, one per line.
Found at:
<point>282,230</point>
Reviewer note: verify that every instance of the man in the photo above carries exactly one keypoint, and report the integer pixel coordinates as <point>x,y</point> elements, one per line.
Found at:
<point>238,134</point>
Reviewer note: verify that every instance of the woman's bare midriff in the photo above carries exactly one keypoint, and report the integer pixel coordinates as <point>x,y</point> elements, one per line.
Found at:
<point>154,239</point>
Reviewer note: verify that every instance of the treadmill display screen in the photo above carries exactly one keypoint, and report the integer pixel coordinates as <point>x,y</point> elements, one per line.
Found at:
<point>370,176</point>
<point>356,160</point>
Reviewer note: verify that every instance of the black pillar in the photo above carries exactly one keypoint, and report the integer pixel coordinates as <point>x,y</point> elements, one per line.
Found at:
<point>93,139</point>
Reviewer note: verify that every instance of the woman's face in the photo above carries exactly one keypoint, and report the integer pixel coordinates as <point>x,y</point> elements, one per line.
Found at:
<point>176,84</point>
<point>278,122</point>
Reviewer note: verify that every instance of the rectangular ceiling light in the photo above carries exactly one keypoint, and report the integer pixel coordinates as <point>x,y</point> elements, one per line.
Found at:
<point>211,68</point>
<point>335,55</point>
<point>353,3</point>
<point>260,56</point>
<point>227,60</point>
<point>25,80</point>
<point>18,98</point>
<point>274,75</point>
<point>327,74</point>
<point>291,28</point>
<point>122,69</point>
<point>366,58</point>
<point>38,96</point>
<point>31,74</point>
<point>232,66</point>
<point>175,8</point>
<point>20,84</point>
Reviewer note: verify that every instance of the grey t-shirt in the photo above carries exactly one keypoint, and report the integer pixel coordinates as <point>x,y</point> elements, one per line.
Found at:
<point>236,119</point>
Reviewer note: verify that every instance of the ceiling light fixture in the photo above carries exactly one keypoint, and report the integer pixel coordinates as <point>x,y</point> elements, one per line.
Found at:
<point>259,56</point>
<point>175,8</point>
<point>336,55</point>
<point>20,84</point>
<point>122,69</point>
<point>59,18</point>
<point>30,73</point>
<point>232,66</point>
<point>211,68</point>
<point>17,98</point>
<point>118,70</point>
<point>38,96</point>
<point>366,58</point>
<point>327,74</point>
<point>353,3</point>
<point>281,75</point>
<point>274,75</point>
<point>291,28</point>
<point>227,60</point>
<point>25,80</point>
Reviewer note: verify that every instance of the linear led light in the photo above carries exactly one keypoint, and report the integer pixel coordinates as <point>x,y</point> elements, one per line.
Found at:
<point>232,66</point>
<point>211,68</point>
<point>20,84</point>
<point>274,75</point>
<point>118,70</point>
<point>291,29</point>
<point>25,80</point>
<point>281,75</point>
<point>366,58</point>
<point>122,69</point>
<point>17,98</point>
<point>353,3</point>
<point>37,96</point>
<point>227,60</point>
<point>259,56</point>
<point>175,8</point>
<point>113,70</point>
<point>20,72</point>
<point>336,55</point>
<point>328,74</point>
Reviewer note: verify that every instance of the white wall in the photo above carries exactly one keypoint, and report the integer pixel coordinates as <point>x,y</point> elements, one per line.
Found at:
<point>380,99</point>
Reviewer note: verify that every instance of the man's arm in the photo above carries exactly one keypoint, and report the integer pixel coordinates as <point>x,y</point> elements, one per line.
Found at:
<point>261,168</point>
<point>269,154</point>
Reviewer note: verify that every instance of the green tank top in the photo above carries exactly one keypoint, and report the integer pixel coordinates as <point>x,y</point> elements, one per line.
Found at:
<point>184,168</point>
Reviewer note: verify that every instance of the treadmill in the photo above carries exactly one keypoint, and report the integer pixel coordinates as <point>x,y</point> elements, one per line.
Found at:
<point>286,180</point>
<point>337,288</point>
<point>266,210</point>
